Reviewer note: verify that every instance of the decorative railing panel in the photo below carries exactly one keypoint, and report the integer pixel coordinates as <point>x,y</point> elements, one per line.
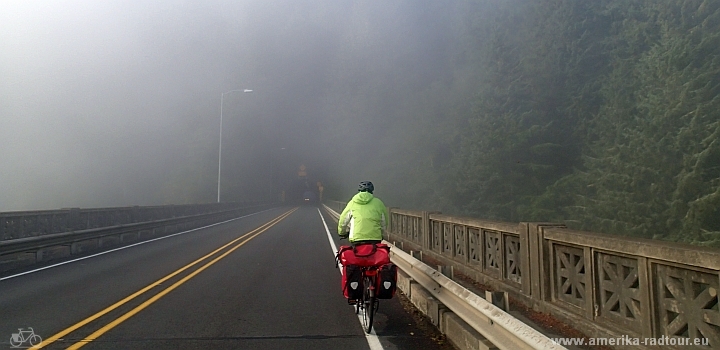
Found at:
<point>447,235</point>
<point>394,222</point>
<point>404,226</point>
<point>40,225</point>
<point>407,224</point>
<point>612,284</point>
<point>513,271</point>
<point>621,291</point>
<point>571,279</point>
<point>493,253</point>
<point>687,303</point>
<point>460,243</point>
<point>436,241</point>
<point>60,223</point>
<point>475,251</point>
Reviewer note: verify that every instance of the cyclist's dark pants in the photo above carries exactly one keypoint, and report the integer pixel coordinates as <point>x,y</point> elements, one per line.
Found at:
<point>357,243</point>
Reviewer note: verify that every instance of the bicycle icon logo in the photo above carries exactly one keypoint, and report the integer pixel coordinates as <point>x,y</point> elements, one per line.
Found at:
<point>18,340</point>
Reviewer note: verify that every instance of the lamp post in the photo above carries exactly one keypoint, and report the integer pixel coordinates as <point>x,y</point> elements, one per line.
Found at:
<point>222,96</point>
<point>278,186</point>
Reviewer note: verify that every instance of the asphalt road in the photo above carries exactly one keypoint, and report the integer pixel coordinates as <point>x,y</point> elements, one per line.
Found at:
<point>263,281</point>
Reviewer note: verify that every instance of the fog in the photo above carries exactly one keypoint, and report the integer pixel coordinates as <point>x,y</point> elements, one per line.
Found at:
<point>602,115</point>
<point>111,103</point>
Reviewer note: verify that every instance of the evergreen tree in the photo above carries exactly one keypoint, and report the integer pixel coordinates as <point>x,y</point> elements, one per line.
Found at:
<point>653,166</point>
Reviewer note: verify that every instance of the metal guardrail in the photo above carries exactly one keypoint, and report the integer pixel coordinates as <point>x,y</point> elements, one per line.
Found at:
<point>24,224</point>
<point>332,212</point>
<point>37,242</point>
<point>131,232</point>
<point>499,327</point>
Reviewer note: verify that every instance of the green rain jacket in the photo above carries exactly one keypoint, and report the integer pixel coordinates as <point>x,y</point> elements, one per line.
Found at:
<point>364,218</point>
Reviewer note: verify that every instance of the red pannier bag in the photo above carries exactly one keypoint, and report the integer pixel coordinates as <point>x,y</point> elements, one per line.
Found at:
<point>352,282</point>
<point>353,259</point>
<point>386,281</point>
<point>365,255</point>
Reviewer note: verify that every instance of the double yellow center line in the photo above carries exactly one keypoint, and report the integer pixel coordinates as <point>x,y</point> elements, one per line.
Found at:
<point>244,239</point>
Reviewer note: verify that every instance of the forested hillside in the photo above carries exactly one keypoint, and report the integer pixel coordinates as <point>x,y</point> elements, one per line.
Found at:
<point>603,115</point>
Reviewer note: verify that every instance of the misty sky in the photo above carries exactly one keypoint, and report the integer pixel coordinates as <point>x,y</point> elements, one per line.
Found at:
<point>103,100</point>
<point>439,103</point>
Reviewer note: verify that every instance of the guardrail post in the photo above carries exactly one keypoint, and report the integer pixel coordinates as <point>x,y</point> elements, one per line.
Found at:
<point>417,254</point>
<point>403,283</point>
<point>499,299</point>
<point>448,271</point>
<point>436,309</point>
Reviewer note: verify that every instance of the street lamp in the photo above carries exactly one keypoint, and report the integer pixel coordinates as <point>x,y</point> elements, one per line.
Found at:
<point>222,96</point>
<point>277,189</point>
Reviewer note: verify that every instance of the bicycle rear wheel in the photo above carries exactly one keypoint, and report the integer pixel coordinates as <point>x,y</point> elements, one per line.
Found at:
<point>15,342</point>
<point>369,304</point>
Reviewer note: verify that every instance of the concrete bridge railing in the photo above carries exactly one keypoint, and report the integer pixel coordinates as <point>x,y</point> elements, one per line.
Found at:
<point>603,285</point>
<point>28,238</point>
<point>23,224</point>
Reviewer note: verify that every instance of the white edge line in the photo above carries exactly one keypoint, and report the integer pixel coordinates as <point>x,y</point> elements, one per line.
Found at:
<point>372,338</point>
<point>332,243</point>
<point>125,247</point>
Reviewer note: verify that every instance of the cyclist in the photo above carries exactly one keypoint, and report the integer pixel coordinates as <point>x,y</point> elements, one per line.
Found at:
<point>365,217</point>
